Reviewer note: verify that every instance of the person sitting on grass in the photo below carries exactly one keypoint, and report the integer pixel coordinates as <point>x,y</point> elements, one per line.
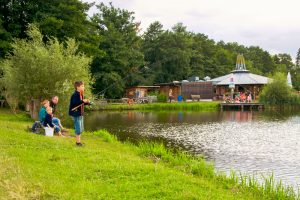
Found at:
<point>48,121</point>
<point>42,115</point>
<point>53,104</point>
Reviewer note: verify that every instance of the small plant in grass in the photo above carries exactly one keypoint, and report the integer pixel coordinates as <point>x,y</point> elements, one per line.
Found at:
<point>162,98</point>
<point>183,160</point>
<point>107,137</point>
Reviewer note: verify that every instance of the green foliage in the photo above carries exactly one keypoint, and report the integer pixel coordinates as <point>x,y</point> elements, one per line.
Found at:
<point>36,70</point>
<point>279,93</point>
<point>61,19</point>
<point>188,163</point>
<point>284,59</point>
<point>105,135</point>
<point>196,106</point>
<point>162,98</point>
<point>295,73</point>
<point>179,54</point>
<point>298,58</point>
<point>167,53</point>
<point>121,46</point>
<point>5,39</point>
<point>111,84</point>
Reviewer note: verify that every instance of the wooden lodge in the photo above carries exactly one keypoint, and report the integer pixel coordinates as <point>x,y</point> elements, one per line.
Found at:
<point>140,91</point>
<point>175,86</point>
<point>239,80</point>
<point>204,90</point>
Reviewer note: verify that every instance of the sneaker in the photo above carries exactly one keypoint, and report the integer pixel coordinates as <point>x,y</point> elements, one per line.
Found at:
<point>79,144</point>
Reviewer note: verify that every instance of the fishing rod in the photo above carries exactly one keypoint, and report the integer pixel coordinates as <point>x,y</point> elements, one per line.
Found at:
<point>126,77</point>
<point>77,106</point>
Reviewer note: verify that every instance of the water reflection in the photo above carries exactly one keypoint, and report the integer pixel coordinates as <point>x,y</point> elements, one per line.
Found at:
<point>246,141</point>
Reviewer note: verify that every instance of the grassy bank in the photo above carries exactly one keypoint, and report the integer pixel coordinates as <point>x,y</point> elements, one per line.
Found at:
<point>38,167</point>
<point>184,106</point>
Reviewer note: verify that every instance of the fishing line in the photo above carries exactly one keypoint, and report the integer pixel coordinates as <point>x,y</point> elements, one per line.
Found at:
<point>130,74</point>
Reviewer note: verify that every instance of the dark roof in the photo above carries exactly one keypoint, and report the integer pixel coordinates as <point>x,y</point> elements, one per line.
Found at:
<point>171,84</point>
<point>143,86</point>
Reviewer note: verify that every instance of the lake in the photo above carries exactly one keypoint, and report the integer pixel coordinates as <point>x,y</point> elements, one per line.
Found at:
<point>252,142</point>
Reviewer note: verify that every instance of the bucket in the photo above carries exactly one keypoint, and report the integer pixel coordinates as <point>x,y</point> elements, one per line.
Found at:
<point>49,132</point>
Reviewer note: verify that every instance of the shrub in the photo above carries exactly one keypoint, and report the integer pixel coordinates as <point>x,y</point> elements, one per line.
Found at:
<point>39,70</point>
<point>162,98</point>
<point>279,93</point>
<point>107,137</point>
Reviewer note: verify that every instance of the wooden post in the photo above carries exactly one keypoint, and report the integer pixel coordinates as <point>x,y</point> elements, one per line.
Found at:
<point>2,103</point>
<point>35,105</point>
<point>27,107</point>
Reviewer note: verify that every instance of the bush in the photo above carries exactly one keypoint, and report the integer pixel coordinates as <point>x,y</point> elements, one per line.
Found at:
<point>279,93</point>
<point>39,70</point>
<point>162,98</point>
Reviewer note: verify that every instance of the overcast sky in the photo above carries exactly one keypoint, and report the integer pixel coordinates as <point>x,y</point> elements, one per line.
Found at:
<point>273,25</point>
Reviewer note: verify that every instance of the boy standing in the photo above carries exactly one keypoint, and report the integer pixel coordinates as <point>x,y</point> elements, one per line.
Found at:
<point>76,109</point>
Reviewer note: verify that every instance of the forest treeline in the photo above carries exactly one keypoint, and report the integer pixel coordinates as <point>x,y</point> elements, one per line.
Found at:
<point>123,54</point>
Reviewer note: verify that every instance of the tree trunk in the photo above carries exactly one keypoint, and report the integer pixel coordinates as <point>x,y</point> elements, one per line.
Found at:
<point>35,105</point>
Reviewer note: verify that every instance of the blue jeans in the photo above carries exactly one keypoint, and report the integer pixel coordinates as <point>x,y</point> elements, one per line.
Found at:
<point>78,125</point>
<point>56,129</point>
<point>56,121</point>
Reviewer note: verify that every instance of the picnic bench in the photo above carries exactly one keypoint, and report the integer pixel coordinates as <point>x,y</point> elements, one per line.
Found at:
<point>195,97</point>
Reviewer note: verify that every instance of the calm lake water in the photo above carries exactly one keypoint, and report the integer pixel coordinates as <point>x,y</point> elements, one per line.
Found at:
<point>251,142</point>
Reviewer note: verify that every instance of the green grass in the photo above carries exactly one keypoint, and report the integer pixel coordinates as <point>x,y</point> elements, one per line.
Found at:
<point>38,167</point>
<point>184,106</point>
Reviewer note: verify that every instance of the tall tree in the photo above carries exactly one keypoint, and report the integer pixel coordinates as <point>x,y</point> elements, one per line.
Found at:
<point>298,59</point>
<point>261,59</point>
<point>5,39</point>
<point>285,59</point>
<point>121,45</point>
<point>56,18</point>
<point>167,53</point>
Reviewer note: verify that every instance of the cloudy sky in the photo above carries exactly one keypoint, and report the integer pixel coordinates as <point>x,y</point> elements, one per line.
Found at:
<point>271,24</point>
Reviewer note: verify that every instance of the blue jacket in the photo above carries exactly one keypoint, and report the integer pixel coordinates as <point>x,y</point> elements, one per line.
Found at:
<point>74,102</point>
<point>42,114</point>
<point>48,121</point>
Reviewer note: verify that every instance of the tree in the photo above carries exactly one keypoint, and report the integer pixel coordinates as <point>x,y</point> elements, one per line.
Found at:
<point>167,53</point>
<point>295,73</point>
<point>284,64</point>
<point>5,39</point>
<point>278,92</point>
<point>284,59</point>
<point>36,70</point>
<point>298,59</point>
<point>121,46</point>
<point>261,60</point>
<point>56,18</point>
